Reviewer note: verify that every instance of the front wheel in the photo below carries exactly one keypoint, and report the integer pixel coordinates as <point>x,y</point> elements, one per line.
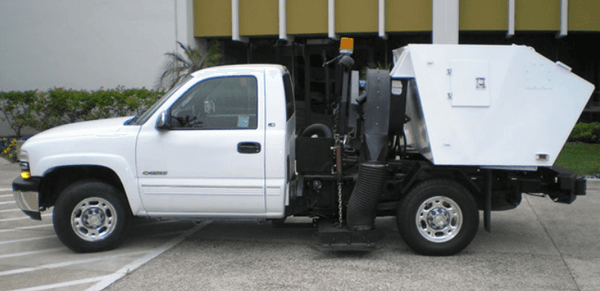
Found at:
<point>91,216</point>
<point>438,217</point>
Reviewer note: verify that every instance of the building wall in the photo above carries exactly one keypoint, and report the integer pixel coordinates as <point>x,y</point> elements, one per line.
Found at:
<point>309,17</point>
<point>89,44</point>
<point>212,18</point>
<point>583,15</point>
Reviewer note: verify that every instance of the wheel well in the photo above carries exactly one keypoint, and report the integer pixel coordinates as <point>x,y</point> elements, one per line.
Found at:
<point>504,196</point>
<point>457,175</point>
<point>57,179</point>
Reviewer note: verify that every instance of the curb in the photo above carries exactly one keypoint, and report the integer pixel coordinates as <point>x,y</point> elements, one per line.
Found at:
<point>595,182</point>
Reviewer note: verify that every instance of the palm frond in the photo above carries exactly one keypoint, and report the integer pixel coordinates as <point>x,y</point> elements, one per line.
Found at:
<point>180,66</point>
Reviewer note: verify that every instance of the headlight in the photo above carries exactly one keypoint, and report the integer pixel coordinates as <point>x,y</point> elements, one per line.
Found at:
<point>24,163</point>
<point>23,156</point>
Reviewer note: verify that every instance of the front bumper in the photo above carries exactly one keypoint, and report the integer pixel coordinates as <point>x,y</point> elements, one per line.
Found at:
<point>26,193</point>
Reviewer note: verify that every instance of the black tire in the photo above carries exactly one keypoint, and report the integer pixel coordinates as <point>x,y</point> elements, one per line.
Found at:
<point>447,221</point>
<point>321,130</point>
<point>91,216</point>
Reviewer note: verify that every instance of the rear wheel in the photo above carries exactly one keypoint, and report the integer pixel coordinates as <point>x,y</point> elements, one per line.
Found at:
<point>438,217</point>
<point>91,216</point>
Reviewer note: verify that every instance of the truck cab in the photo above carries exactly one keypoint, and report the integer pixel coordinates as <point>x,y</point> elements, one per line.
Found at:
<point>225,146</point>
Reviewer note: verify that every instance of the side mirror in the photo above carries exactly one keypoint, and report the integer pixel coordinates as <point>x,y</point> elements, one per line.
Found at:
<point>164,120</point>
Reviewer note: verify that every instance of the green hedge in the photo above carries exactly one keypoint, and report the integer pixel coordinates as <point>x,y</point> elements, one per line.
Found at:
<point>586,132</point>
<point>46,109</point>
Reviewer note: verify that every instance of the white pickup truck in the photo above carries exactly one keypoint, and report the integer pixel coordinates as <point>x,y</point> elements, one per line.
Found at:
<point>213,146</point>
<point>415,144</point>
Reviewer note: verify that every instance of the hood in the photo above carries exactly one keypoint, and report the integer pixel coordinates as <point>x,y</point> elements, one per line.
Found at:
<point>102,127</point>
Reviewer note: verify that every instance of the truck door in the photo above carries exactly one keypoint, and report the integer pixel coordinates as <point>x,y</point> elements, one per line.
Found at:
<point>211,161</point>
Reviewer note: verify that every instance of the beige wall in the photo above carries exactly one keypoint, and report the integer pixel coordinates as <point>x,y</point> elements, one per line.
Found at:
<point>212,18</point>
<point>476,15</point>
<point>308,17</point>
<point>259,17</point>
<point>584,15</point>
<point>407,15</point>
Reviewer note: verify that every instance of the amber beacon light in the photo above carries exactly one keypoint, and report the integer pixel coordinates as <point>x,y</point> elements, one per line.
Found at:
<point>346,45</point>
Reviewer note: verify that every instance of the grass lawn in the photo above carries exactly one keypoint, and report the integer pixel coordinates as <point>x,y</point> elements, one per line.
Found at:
<point>582,158</point>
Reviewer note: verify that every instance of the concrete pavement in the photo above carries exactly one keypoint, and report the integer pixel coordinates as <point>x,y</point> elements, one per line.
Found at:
<point>8,172</point>
<point>541,245</point>
<point>33,258</point>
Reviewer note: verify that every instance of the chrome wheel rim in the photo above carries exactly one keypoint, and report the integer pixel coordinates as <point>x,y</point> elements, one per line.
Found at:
<point>94,219</point>
<point>439,219</point>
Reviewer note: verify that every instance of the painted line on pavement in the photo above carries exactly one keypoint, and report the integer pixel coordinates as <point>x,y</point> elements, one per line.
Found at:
<point>7,195</point>
<point>31,253</point>
<point>10,210</point>
<point>64,284</point>
<point>67,264</point>
<point>26,239</point>
<point>23,218</point>
<point>8,202</point>
<point>25,227</point>
<point>110,279</point>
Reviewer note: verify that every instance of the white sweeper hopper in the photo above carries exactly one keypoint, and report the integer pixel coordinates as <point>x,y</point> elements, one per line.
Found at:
<point>491,106</point>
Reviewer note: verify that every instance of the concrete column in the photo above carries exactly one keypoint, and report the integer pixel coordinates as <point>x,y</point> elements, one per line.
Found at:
<point>235,22</point>
<point>564,18</point>
<point>331,20</point>
<point>445,21</point>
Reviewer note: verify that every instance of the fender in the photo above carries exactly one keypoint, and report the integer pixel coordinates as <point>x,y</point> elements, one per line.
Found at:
<point>124,169</point>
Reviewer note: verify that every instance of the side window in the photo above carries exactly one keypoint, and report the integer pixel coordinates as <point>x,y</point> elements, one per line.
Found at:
<point>289,96</point>
<point>219,103</point>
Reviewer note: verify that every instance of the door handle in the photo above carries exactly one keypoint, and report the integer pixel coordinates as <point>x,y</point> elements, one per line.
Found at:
<point>248,147</point>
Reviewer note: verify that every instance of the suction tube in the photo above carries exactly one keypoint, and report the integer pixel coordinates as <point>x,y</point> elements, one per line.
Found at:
<point>366,194</point>
<point>373,172</point>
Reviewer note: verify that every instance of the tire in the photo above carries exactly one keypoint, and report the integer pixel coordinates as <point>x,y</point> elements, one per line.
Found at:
<point>91,216</point>
<point>321,130</point>
<point>438,217</point>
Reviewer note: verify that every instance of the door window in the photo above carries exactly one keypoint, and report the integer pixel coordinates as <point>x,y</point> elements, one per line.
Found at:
<point>218,103</point>
<point>289,96</point>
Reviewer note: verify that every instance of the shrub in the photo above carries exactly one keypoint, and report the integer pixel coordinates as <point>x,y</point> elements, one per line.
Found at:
<point>18,109</point>
<point>586,132</point>
<point>42,110</point>
<point>180,66</point>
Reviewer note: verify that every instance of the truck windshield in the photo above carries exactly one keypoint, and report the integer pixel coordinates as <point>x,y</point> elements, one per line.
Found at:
<point>141,119</point>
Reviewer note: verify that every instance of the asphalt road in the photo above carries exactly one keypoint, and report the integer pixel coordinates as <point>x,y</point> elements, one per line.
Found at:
<point>541,245</point>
